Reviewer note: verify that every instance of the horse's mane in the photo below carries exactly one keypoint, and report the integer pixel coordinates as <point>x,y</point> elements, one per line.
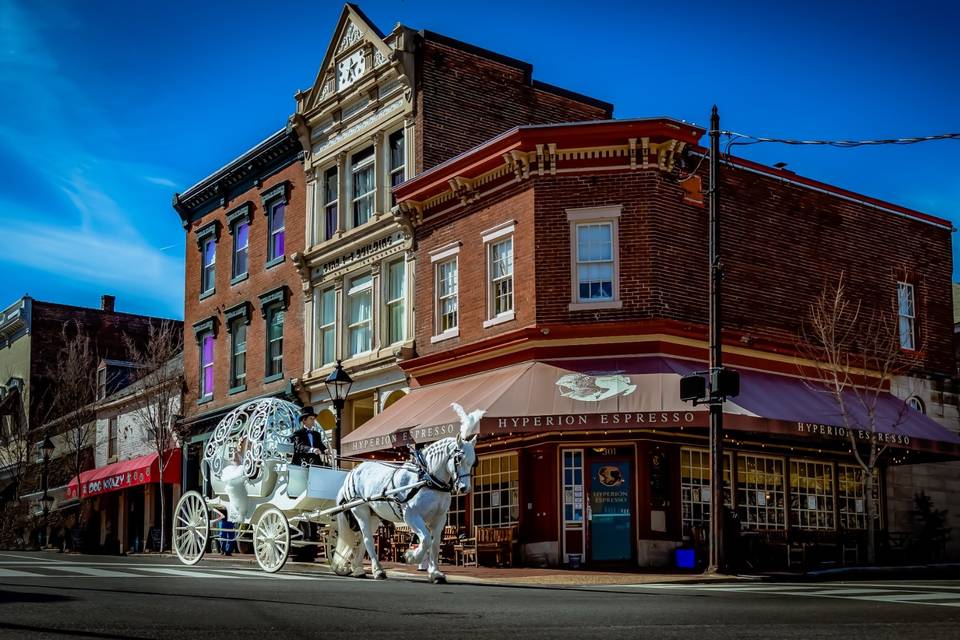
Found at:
<point>438,451</point>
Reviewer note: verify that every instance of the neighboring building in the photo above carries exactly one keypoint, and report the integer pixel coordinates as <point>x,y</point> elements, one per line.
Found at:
<point>383,108</point>
<point>124,486</point>
<point>243,308</point>
<point>562,286</point>
<point>33,334</point>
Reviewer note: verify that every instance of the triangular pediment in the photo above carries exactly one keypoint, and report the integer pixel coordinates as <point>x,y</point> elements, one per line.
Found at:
<point>347,54</point>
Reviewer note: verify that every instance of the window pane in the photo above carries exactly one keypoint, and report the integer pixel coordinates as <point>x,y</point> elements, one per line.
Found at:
<point>328,306</point>
<point>330,186</point>
<point>396,280</point>
<point>396,150</point>
<point>242,241</point>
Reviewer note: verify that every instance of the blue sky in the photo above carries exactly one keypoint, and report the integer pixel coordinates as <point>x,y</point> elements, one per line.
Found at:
<point>108,108</point>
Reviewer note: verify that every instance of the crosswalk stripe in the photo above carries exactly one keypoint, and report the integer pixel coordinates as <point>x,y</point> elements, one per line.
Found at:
<point>13,573</point>
<point>913,597</point>
<point>92,572</point>
<point>278,576</point>
<point>186,573</point>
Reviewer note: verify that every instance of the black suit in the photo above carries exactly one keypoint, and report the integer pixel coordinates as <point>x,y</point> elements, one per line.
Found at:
<point>303,440</point>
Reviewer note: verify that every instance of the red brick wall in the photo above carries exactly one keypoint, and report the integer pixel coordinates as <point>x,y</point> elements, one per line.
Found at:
<point>465,98</point>
<point>467,227</point>
<point>260,281</point>
<point>779,244</point>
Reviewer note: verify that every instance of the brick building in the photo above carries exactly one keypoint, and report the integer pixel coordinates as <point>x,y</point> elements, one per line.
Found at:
<point>33,335</point>
<point>561,286</point>
<point>242,308</point>
<point>383,108</point>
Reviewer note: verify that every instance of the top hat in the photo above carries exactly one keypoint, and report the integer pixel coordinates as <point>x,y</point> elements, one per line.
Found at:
<point>306,412</point>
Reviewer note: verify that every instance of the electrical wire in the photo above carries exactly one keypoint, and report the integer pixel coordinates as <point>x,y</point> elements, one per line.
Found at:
<point>743,139</point>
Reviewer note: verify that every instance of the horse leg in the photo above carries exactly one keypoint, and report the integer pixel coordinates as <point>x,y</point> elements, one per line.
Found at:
<point>418,526</point>
<point>366,532</point>
<point>436,576</point>
<point>362,514</point>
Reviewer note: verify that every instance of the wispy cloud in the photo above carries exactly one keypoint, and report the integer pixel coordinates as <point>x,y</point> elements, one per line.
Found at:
<point>98,237</point>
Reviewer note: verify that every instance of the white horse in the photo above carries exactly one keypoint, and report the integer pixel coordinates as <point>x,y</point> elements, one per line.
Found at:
<point>447,464</point>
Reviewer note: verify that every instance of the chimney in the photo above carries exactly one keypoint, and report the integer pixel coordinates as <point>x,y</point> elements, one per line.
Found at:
<point>106,303</point>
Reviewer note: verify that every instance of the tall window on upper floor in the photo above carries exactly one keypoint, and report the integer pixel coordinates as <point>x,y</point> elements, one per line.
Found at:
<point>363,185</point>
<point>907,315</point>
<point>326,326</point>
<point>397,167</point>
<point>595,262</point>
<point>206,365</point>
<point>277,217</point>
<point>241,244</point>
<point>360,319</point>
<point>112,437</point>
<point>208,271</point>
<point>446,302</point>
<point>331,184</point>
<point>274,316</point>
<point>395,289</point>
<point>238,354</point>
<point>500,272</point>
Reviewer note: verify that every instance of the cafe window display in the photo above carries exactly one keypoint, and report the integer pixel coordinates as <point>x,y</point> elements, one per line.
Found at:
<point>760,492</point>
<point>695,486</point>
<point>811,494</point>
<point>496,491</point>
<point>850,496</point>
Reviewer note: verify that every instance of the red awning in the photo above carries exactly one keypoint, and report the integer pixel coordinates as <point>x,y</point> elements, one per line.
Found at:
<point>633,393</point>
<point>126,474</point>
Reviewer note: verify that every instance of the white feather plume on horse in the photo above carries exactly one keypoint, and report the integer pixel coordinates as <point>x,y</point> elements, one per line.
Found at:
<point>448,466</point>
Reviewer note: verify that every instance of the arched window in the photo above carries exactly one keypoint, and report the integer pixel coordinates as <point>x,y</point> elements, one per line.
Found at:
<point>916,403</point>
<point>393,397</point>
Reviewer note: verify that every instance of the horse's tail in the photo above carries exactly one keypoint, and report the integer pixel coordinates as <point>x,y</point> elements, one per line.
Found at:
<point>346,543</point>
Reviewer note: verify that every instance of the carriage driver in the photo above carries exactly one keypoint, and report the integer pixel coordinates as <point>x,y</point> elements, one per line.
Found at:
<point>308,445</point>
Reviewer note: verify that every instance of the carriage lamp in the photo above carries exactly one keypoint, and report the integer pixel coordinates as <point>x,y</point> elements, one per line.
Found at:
<point>338,386</point>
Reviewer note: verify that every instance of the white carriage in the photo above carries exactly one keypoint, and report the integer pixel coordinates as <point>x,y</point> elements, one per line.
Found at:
<point>258,495</point>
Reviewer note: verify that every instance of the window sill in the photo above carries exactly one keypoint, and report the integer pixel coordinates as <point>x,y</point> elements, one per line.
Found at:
<point>500,319</point>
<point>207,294</point>
<point>238,389</point>
<point>273,378</point>
<point>240,278</point>
<point>205,399</point>
<point>274,262</point>
<point>446,335</point>
<point>595,306</point>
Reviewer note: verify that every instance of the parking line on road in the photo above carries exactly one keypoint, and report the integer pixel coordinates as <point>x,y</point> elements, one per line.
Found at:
<point>253,573</point>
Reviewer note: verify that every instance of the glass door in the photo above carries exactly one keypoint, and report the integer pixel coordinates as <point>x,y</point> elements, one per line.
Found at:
<point>611,532</point>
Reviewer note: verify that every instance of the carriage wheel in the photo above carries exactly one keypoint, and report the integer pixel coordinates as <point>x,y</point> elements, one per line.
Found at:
<point>271,540</point>
<point>330,543</point>
<point>191,528</point>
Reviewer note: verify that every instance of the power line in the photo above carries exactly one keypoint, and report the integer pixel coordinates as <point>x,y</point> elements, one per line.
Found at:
<point>743,139</point>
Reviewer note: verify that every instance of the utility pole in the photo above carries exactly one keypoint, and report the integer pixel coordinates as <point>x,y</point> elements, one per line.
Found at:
<point>716,561</point>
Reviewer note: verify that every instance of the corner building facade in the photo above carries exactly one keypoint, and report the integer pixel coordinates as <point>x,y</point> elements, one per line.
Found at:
<point>562,287</point>
<point>383,108</point>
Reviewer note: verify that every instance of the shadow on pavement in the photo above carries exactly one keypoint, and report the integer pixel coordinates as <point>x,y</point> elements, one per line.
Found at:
<point>71,633</point>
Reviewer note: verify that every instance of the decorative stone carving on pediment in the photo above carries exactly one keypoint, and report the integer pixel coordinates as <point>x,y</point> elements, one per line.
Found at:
<point>351,36</point>
<point>378,58</point>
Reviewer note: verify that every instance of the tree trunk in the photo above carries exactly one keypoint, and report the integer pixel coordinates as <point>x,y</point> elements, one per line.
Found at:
<point>163,529</point>
<point>871,529</point>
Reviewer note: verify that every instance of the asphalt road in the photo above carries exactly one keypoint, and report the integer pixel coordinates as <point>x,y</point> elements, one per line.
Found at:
<point>46,595</point>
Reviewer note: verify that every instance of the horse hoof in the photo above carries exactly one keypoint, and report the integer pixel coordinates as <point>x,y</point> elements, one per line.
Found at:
<point>407,558</point>
<point>360,575</point>
<point>380,575</point>
<point>438,578</point>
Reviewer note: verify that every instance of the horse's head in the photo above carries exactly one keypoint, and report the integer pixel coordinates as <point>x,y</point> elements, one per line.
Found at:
<point>464,457</point>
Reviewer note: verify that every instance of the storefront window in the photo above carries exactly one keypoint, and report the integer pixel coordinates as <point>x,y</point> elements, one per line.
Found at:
<point>695,486</point>
<point>811,494</point>
<point>760,492</point>
<point>457,516</point>
<point>360,329</point>
<point>496,492</point>
<point>850,497</point>
<point>573,486</point>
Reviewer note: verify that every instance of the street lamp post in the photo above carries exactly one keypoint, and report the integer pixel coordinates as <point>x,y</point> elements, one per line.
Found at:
<point>338,387</point>
<point>48,449</point>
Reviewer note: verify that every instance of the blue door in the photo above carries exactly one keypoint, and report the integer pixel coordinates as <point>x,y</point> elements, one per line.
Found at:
<point>611,536</point>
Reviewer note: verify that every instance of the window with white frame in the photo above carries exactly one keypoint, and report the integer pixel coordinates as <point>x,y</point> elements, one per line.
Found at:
<point>595,262</point>
<point>360,310</point>
<point>907,315</point>
<point>573,486</point>
<point>331,194</point>
<point>326,326</point>
<point>206,365</point>
<point>916,404</point>
<point>364,182</point>
<point>275,249</point>
<point>241,244</point>
<point>208,274</point>
<point>397,159</point>
<point>496,491</point>
<point>811,494</point>
<point>500,272</point>
<point>447,295</point>
<point>760,492</point>
<point>274,316</point>
<point>695,486</point>
<point>238,353</point>
<point>112,437</point>
<point>395,290</point>
<point>851,503</point>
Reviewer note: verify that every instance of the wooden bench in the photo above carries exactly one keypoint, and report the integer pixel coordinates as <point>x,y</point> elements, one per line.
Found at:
<point>492,541</point>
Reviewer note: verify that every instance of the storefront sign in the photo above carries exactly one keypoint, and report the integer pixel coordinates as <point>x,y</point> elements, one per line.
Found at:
<point>640,419</point>
<point>829,431</point>
<point>364,251</point>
